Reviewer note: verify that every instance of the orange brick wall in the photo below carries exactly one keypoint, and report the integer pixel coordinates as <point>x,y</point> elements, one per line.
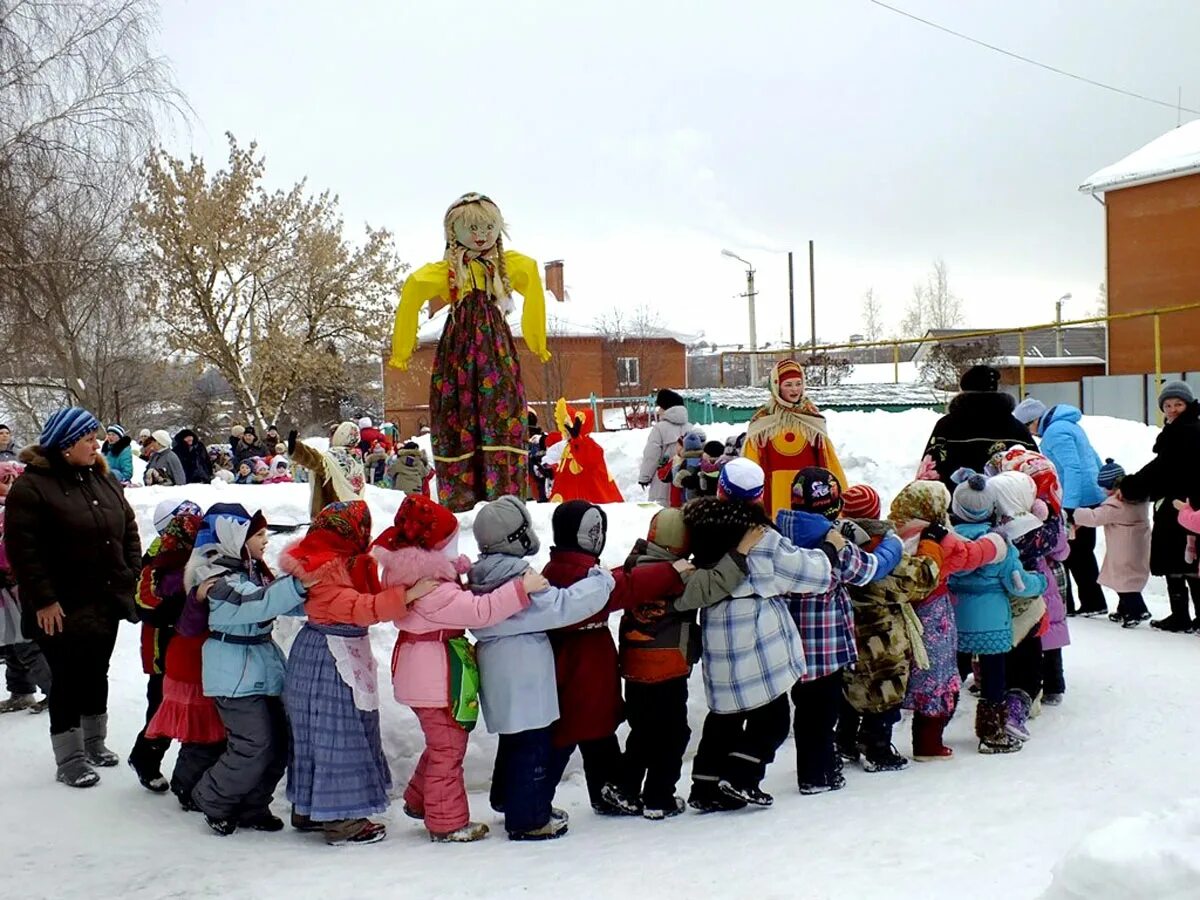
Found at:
<point>1154,261</point>
<point>579,366</point>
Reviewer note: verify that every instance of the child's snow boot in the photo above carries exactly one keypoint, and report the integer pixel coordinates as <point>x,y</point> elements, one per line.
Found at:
<point>472,831</point>
<point>882,758</point>
<point>1017,705</point>
<point>676,807</point>
<point>706,797</point>
<point>831,779</point>
<point>345,832</point>
<point>618,802</point>
<point>261,820</point>
<point>846,737</point>
<point>991,719</point>
<point>222,827</point>
<point>18,702</point>
<point>73,768</point>
<point>555,827</point>
<point>751,794</point>
<point>148,776</point>
<point>302,822</point>
<point>95,730</point>
<point>927,738</point>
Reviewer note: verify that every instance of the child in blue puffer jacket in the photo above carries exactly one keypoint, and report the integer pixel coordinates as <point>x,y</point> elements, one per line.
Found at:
<point>984,611</point>
<point>826,624</point>
<point>243,668</point>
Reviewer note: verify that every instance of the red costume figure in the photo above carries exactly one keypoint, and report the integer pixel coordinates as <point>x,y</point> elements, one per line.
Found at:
<point>582,473</point>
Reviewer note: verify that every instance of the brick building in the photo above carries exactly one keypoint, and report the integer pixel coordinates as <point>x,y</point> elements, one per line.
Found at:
<point>585,360</point>
<point>1152,221</point>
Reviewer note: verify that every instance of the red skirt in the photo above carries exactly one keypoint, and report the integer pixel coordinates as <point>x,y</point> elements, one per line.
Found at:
<point>186,715</point>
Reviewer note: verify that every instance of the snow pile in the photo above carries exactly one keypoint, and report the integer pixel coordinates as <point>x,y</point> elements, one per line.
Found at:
<point>1172,155</point>
<point>1151,855</point>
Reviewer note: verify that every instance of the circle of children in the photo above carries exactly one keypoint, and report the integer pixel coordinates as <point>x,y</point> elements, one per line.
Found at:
<point>781,580</point>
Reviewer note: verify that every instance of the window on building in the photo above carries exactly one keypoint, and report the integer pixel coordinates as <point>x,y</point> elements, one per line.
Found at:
<point>629,372</point>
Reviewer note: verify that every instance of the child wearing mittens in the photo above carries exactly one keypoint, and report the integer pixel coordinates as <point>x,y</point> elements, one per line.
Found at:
<point>516,667</point>
<point>984,611</point>
<point>826,623</point>
<point>422,543</point>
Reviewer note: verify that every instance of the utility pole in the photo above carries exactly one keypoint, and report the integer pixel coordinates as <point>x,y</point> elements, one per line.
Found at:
<point>812,296</point>
<point>792,301</point>
<point>750,294</point>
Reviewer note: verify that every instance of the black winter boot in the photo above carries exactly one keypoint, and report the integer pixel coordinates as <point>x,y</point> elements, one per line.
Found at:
<point>991,727</point>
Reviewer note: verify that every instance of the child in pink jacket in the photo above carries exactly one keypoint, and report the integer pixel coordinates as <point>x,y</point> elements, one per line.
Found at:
<point>421,544</point>
<point>1126,526</point>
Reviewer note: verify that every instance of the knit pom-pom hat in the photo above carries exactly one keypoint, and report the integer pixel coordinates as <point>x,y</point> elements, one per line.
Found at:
<point>972,502</point>
<point>1110,475</point>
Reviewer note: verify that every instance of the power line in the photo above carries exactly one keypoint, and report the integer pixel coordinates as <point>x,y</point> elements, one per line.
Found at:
<point>1034,62</point>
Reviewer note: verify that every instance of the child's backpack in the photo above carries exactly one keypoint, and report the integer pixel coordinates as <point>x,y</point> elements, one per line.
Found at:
<point>464,682</point>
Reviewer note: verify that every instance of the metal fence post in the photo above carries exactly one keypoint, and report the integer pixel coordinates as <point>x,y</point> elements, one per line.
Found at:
<point>896,363</point>
<point>1021,364</point>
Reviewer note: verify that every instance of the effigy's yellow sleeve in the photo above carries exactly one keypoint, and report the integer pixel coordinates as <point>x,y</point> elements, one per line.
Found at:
<point>423,285</point>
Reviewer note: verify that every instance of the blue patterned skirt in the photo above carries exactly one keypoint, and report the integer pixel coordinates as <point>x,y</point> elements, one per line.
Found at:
<point>336,767</point>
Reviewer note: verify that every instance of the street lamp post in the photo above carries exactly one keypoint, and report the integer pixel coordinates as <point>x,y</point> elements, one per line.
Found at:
<point>1058,335</point>
<point>750,294</point>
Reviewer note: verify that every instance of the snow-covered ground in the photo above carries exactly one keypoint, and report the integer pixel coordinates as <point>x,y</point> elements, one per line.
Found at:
<point>1089,803</point>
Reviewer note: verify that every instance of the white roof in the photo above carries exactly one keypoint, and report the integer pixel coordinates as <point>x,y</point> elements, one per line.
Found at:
<point>1046,361</point>
<point>1175,154</point>
<point>556,326</point>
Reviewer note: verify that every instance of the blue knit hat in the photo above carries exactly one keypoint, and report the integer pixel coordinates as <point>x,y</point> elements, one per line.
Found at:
<point>973,501</point>
<point>1110,474</point>
<point>117,430</point>
<point>67,426</point>
<point>741,479</point>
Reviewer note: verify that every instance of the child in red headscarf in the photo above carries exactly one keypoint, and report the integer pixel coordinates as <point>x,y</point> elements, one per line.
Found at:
<point>337,774</point>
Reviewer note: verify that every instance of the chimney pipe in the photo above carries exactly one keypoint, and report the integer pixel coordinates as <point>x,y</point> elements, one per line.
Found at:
<point>554,280</point>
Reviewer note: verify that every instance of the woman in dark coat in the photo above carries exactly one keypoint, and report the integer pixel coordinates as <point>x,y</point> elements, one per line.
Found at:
<point>193,456</point>
<point>978,424</point>
<point>73,546</point>
<point>1171,476</point>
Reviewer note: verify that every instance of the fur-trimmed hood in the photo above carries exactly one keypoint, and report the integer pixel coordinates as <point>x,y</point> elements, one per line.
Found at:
<point>408,565</point>
<point>37,459</point>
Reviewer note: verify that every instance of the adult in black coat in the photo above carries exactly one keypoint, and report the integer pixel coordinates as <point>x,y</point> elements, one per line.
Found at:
<point>248,447</point>
<point>193,456</point>
<point>1171,476</point>
<point>72,542</point>
<point>977,425</point>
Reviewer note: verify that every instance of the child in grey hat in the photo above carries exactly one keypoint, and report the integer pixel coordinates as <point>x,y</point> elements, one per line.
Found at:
<point>516,667</point>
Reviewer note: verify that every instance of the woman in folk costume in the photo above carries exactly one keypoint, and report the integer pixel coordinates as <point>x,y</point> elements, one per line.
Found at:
<point>787,435</point>
<point>337,774</point>
<point>581,473</point>
<point>476,397</point>
<point>337,474</point>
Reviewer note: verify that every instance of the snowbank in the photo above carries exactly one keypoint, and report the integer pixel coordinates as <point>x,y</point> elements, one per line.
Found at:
<point>878,448</point>
<point>1152,855</point>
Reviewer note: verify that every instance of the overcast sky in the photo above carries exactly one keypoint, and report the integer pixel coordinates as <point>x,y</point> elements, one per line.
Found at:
<point>634,140</point>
